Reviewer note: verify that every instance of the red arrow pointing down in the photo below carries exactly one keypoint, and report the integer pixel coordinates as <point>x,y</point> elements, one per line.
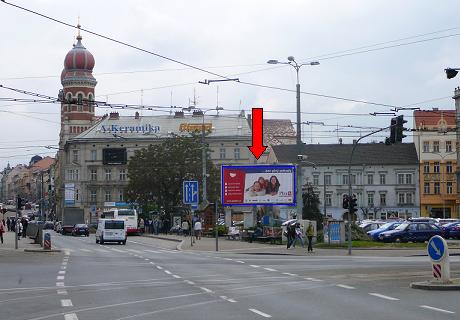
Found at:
<point>257,147</point>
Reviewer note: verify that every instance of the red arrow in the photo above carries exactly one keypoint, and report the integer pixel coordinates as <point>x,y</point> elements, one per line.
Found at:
<point>257,147</point>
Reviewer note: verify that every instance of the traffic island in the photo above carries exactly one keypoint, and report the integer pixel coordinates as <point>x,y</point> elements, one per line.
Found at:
<point>42,250</point>
<point>453,284</point>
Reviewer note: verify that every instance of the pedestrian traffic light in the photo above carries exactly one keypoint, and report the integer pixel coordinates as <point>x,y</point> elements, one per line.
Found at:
<point>400,128</point>
<point>345,201</point>
<point>353,204</point>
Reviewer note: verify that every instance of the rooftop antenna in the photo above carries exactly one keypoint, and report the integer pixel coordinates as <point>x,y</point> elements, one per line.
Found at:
<point>170,110</point>
<point>142,101</point>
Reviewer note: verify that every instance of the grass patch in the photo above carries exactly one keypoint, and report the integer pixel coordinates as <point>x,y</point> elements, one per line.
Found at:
<point>372,244</point>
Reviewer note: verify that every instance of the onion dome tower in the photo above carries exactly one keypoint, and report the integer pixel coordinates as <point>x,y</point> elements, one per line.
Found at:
<point>77,95</point>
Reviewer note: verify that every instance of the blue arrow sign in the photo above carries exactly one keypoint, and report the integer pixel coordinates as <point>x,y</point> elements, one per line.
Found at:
<point>436,248</point>
<point>190,192</point>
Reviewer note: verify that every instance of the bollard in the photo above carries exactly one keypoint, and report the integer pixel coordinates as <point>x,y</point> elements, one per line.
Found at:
<point>47,241</point>
<point>439,254</point>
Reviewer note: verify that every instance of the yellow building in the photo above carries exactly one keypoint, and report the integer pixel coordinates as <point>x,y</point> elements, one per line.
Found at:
<point>435,141</point>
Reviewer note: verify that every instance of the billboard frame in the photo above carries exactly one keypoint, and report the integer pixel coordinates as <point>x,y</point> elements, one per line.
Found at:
<point>280,166</point>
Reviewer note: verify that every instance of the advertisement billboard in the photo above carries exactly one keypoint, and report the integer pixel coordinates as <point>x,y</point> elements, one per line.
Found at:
<point>69,193</point>
<point>258,185</point>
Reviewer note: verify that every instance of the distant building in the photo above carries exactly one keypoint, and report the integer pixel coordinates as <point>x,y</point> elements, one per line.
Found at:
<point>384,177</point>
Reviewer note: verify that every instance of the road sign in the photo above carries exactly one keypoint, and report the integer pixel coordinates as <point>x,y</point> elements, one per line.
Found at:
<point>436,248</point>
<point>190,192</point>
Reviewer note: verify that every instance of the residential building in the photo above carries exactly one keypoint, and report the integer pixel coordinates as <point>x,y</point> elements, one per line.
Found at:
<point>435,141</point>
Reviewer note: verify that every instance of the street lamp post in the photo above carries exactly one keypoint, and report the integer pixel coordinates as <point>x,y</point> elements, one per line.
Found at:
<point>291,61</point>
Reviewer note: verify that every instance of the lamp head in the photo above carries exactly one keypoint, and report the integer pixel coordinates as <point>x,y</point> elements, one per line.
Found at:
<point>290,58</point>
<point>450,73</point>
<point>272,61</point>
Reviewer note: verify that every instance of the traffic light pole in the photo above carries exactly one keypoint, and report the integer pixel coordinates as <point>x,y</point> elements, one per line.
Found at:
<point>350,190</point>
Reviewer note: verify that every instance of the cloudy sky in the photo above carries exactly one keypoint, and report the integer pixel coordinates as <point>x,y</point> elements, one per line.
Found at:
<point>387,52</point>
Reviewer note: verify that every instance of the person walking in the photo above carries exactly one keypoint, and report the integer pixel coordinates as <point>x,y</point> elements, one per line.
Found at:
<point>8,224</point>
<point>185,228</point>
<point>141,225</point>
<point>24,223</point>
<point>19,228</point>
<point>310,234</point>
<point>197,229</point>
<point>2,230</point>
<point>298,235</point>
<point>290,235</point>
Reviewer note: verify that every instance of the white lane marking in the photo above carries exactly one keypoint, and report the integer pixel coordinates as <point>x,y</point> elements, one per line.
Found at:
<point>270,269</point>
<point>378,295</point>
<point>62,291</point>
<point>260,313</point>
<point>231,300</point>
<point>168,272</point>
<point>152,251</point>
<point>70,316</point>
<point>159,268</point>
<point>436,309</point>
<point>313,279</point>
<point>152,262</point>
<point>290,274</point>
<point>176,276</point>
<point>85,250</point>
<point>61,272</point>
<point>63,267</point>
<point>135,251</point>
<point>146,259</point>
<point>345,286</point>
<point>254,266</point>
<point>66,303</point>
<point>60,277</point>
<point>189,282</point>
<point>228,259</point>
<point>64,263</point>
<point>206,289</point>
<point>117,250</point>
<point>227,299</point>
<point>239,261</point>
<point>59,284</point>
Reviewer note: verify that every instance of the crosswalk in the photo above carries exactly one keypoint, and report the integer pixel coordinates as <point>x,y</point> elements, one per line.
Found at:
<point>111,250</point>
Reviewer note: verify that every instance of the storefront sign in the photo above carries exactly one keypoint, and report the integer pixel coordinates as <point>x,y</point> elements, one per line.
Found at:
<point>116,128</point>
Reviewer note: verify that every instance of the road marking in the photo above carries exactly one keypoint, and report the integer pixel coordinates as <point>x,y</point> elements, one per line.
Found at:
<point>67,252</point>
<point>159,268</point>
<point>227,299</point>
<point>59,284</point>
<point>152,251</point>
<point>176,276</point>
<point>270,269</point>
<point>378,295</point>
<point>61,272</point>
<point>254,266</point>
<point>146,259</point>
<point>260,313</point>
<point>152,262</point>
<point>62,291</point>
<point>63,267</point>
<point>206,289</point>
<point>313,279</point>
<point>436,309</point>
<point>66,303</point>
<point>64,263</point>
<point>290,274</point>
<point>189,282</point>
<point>229,259</point>
<point>135,251</point>
<point>60,277</point>
<point>70,316</point>
<point>239,261</point>
<point>344,286</point>
<point>85,250</point>
<point>117,250</point>
<point>168,272</point>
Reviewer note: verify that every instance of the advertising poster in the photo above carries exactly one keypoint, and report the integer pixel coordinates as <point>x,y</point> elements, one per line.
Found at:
<point>69,194</point>
<point>258,185</point>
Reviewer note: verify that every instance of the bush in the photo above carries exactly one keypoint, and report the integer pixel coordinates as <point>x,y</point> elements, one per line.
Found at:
<point>356,233</point>
<point>221,230</point>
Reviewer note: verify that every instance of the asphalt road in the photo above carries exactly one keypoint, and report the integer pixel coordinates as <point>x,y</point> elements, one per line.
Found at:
<point>149,279</point>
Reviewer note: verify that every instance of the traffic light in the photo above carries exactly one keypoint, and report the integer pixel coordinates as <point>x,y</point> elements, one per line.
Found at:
<point>400,128</point>
<point>345,201</point>
<point>353,204</point>
<point>19,203</point>
<point>393,131</point>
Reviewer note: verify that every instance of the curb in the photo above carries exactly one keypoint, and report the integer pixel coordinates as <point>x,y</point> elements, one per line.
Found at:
<point>428,285</point>
<point>179,246</point>
<point>163,238</point>
<point>41,250</point>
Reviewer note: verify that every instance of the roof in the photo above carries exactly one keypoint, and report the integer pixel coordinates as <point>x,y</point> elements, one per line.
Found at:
<point>339,154</point>
<point>148,127</point>
<point>275,129</point>
<point>43,164</point>
<point>433,117</point>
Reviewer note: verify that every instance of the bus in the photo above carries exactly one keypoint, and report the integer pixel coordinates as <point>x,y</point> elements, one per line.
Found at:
<point>129,215</point>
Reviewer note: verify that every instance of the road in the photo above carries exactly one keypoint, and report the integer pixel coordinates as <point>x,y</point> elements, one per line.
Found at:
<point>149,279</point>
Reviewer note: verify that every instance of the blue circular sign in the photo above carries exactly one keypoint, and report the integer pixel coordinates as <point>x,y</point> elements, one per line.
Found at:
<point>436,248</point>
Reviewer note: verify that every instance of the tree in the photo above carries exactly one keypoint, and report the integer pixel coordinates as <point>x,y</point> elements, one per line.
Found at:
<point>311,205</point>
<point>156,173</point>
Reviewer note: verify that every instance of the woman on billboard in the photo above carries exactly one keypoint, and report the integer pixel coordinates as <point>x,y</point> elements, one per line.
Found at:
<point>273,186</point>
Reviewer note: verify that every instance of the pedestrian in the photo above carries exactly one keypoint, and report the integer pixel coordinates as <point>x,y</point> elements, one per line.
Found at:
<point>151,226</point>
<point>290,235</point>
<point>19,228</point>
<point>185,228</point>
<point>141,225</point>
<point>298,236</point>
<point>197,229</point>
<point>25,223</point>
<point>2,230</point>
<point>13,225</point>
<point>310,234</point>
<point>8,224</point>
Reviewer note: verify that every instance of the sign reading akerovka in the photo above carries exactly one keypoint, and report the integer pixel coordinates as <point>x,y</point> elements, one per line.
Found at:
<point>116,128</point>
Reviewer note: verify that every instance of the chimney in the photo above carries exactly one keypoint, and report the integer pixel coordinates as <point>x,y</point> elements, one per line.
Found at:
<point>197,113</point>
<point>435,109</point>
<point>355,141</point>
<point>179,114</point>
<point>114,116</point>
<point>136,115</point>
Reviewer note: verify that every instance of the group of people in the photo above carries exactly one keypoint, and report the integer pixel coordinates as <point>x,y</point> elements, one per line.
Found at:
<point>263,187</point>
<point>295,233</point>
<point>11,224</point>
<point>185,229</point>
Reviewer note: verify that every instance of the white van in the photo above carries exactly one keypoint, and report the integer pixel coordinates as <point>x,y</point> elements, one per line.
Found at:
<point>111,230</point>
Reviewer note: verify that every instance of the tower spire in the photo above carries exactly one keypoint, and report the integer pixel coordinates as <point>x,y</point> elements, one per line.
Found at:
<point>78,28</point>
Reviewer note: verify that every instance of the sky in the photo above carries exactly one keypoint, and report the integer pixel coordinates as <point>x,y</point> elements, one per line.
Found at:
<point>388,52</point>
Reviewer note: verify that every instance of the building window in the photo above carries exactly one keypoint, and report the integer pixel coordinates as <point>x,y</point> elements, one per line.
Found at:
<point>121,196</point>
<point>426,188</point>
<point>72,174</point>
<point>315,180</point>
<point>382,179</point>
<point>328,200</point>
<point>449,167</point>
<point>426,167</point>
<point>236,153</point>
<point>80,101</point>
<point>222,153</point>
<point>68,97</point>
<point>426,146</point>
<point>75,155</point>
<point>122,174</point>
<point>345,179</point>
<point>435,146</point>
<point>437,188</point>
<point>401,198</point>
<point>408,198</point>
<point>327,179</point>
<point>408,178</point>
<point>370,179</point>
<point>436,167</point>
<point>93,155</point>
<point>450,188</point>
<point>108,196</point>
<point>370,199</point>
<point>108,174</point>
<point>383,199</point>
<point>93,196</point>
<point>93,175</point>
<point>400,178</point>
<point>448,146</point>
<point>77,195</point>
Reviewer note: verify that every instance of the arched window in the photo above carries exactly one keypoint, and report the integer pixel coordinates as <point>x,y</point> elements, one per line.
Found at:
<point>68,97</point>
<point>80,102</point>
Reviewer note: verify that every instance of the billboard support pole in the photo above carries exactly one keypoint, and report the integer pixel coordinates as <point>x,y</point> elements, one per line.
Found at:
<point>217,226</point>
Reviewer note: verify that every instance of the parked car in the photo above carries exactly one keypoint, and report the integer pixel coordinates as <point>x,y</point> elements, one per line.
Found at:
<point>451,230</point>
<point>430,220</point>
<point>67,229</point>
<point>411,231</point>
<point>374,234</point>
<point>49,225</point>
<point>80,229</point>
<point>371,225</point>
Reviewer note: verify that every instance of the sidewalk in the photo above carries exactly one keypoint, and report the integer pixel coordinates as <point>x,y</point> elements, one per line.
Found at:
<point>24,243</point>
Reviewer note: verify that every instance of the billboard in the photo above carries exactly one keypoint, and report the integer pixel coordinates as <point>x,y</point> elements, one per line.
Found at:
<point>69,193</point>
<point>258,185</point>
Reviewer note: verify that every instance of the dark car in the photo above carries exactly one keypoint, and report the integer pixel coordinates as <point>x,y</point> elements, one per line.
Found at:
<point>374,234</point>
<point>412,231</point>
<point>67,229</point>
<point>451,230</point>
<point>80,230</point>
<point>49,225</point>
